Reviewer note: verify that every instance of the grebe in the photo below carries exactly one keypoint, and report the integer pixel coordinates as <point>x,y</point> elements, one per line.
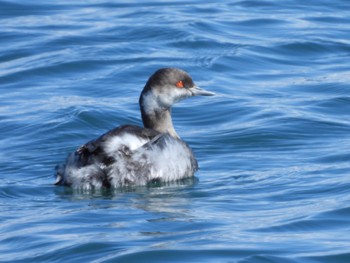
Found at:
<point>132,155</point>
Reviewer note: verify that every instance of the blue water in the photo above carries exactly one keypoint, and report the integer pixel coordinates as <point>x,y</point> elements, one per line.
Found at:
<point>273,145</point>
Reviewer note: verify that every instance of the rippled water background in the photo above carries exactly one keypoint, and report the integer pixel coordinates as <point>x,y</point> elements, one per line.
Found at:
<point>273,145</point>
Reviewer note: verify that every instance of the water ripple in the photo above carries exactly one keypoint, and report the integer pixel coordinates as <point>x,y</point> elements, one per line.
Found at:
<point>272,145</point>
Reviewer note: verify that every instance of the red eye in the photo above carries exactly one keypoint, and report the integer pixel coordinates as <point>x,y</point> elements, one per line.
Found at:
<point>179,84</point>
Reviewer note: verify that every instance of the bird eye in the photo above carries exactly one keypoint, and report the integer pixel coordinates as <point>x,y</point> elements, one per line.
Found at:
<point>179,84</point>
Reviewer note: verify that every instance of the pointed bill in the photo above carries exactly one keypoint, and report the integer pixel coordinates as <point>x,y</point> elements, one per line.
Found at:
<point>196,91</point>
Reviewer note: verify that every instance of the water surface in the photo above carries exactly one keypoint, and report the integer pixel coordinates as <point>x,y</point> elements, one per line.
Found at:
<point>273,145</point>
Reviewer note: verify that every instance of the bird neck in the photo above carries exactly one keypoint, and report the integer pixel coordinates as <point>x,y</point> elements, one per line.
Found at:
<point>159,120</point>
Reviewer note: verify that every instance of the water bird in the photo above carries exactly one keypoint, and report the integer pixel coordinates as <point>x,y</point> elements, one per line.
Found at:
<point>131,155</point>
